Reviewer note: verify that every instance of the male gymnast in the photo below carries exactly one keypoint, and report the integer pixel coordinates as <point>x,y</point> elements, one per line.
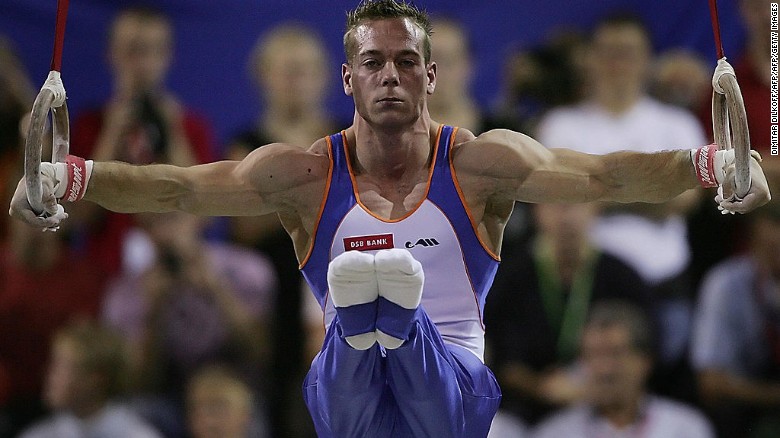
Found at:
<point>397,224</point>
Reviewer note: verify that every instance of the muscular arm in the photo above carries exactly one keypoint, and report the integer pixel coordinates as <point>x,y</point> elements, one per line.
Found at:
<point>521,169</point>
<point>680,205</point>
<point>266,181</point>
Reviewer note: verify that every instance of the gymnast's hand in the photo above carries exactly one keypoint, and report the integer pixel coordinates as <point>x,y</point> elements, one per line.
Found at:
<point>757,196</point>
<point>53,213</point>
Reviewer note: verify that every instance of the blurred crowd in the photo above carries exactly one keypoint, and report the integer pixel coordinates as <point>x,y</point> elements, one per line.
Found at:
<point>613,320</point>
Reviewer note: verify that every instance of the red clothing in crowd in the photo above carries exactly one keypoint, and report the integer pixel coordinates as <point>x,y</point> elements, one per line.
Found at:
<point>104,240</point>
<point>33,304</point>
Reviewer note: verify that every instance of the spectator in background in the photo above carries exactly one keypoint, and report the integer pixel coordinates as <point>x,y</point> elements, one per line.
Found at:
<point>16,99</point>
<point>220,405</point>
<point>506,425</point>
<point>141,123</point>
<point>290,67</point>
<point>84,379</point>
<point>42,286</point>
<point>736,338</point>
<point>453,100</point>
<point>42,282</point>
<point>651,238</point>
<point>538,79</point>
<point>537,307</point>
<point>534,81</point>
<point>682,78</point>
<point>193,303</point>
<point>616,355</point>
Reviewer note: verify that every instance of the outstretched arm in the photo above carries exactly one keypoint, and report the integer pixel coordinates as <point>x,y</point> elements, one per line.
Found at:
<point>521,169</point>
<point>269,179</point>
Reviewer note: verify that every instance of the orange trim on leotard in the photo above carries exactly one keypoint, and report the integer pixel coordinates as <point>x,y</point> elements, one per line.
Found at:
<point>322,204</point>
<point>463,201</point>
<point>427,188</point>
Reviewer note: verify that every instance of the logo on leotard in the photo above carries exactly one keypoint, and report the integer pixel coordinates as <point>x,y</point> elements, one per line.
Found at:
<point>368,243</point>
<point>422,242</point>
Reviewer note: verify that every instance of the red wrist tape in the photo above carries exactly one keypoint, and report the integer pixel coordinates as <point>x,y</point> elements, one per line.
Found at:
<point>77,178</point>
<point>704,164</point>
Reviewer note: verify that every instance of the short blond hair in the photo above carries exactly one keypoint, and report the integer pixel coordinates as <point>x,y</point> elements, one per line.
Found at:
<point>369,10</point>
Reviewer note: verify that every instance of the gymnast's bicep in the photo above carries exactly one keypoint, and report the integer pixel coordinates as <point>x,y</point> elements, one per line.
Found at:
<point>283,176</point>
<point>511,165</point>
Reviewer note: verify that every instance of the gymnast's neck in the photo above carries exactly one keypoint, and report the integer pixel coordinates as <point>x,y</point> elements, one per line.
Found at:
<point>391,149</point>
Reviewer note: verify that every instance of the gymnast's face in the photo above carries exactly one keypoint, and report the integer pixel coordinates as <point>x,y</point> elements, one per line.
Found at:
<point>387,76</point>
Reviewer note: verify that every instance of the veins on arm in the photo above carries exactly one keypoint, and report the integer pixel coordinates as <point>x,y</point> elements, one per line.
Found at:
<point>521,169</point>
<point>278,178</point>
<point>271,179</point>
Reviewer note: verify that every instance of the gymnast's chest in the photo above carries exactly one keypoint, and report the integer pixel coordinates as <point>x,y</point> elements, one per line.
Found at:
<point>426,232</point>
<point>392,201</point>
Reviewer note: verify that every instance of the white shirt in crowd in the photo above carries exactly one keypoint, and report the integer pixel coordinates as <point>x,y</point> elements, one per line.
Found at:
<point>659,418</point>
<point>114,421</point>
<point>657,249</point>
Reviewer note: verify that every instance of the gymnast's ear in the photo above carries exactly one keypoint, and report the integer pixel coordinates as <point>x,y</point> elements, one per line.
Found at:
<point>431,73</point>
<point>346,78</point>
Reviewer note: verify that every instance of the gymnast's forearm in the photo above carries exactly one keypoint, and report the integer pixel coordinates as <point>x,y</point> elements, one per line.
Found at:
<point>533,173</point>
<point>126,188</point>
<point>570,176</point>
<point>655,177</point>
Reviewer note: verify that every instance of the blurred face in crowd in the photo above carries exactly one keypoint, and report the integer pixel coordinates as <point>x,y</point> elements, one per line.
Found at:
<point>173,229</point>
<point>766,242</point>
<point>291,68</point>
<point>68,383</point>
<point>615,370</point>
<point>566,224</point>
<point>757,17</point>
<point>387,76</point>
<point>683,79</point>
<point>219,410</point>
<point>450,51</point>
<point>619,57</point>
<point>14,84</point>
<point>140,51</point>
<point>522,72</point>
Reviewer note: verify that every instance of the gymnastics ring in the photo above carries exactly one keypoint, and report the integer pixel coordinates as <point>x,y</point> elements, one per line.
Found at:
<point>51,97</point>
<point>729,120</point>
<point>730,128</point>
<point>34,144</point>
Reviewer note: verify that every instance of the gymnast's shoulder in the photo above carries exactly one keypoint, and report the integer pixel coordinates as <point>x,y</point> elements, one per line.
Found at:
<point>497,150</point>
<point>287,161</point>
